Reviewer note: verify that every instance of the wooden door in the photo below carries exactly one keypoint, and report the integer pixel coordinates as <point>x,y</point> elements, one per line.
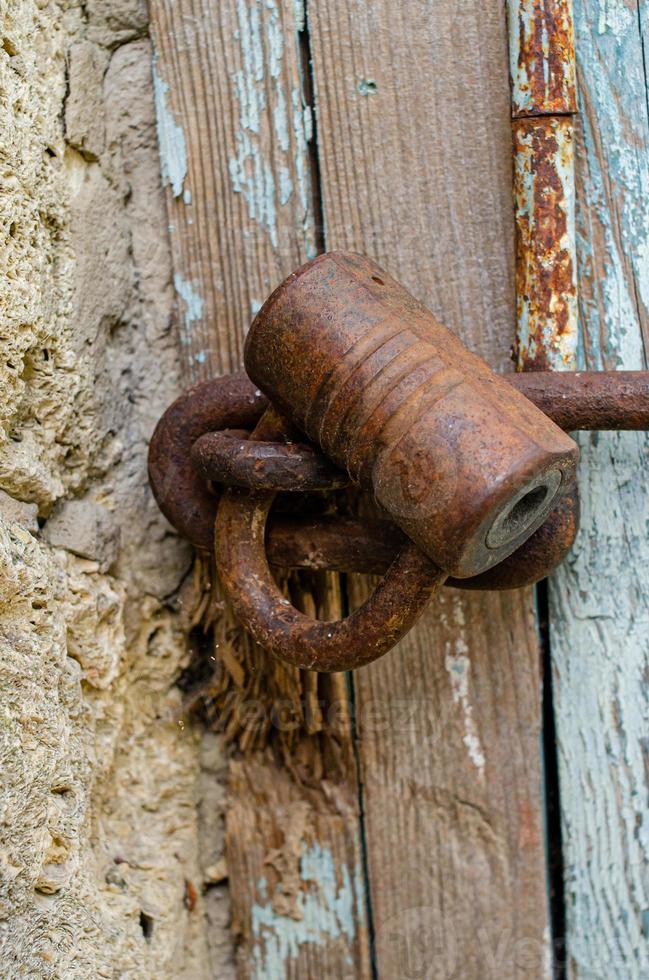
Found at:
<point>393,823</point>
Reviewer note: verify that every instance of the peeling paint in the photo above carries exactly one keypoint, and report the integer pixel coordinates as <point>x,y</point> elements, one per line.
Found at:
<point>280,120</point>
<point>271,162</point>
<point>599,600</point>
<point>299,14</point>
<point>616,295</point>
<point>458,666</point>
<point>194,303</point>
<point>171,138</point>
<point>367,86</point>
<point>331,905</point>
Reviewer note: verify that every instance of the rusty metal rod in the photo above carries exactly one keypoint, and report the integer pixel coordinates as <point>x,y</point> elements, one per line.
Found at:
<point>344,544</point>
<point>242,462</point>
<point>591,400</point>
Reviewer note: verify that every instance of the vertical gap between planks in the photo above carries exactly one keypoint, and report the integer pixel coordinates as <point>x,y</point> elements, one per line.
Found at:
<point>644,59</point>
<point>320,241</point>
<point>361,812</point>
<point>552,790</point>
<point>308,94</point>
<point>308,91</point>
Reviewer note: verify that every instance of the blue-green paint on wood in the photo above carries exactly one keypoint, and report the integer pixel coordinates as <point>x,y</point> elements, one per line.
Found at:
<point>600,598</point>
<point>171,137</point>
<point>193,305</point>
<point>330,906</point>
<point>270,168</point>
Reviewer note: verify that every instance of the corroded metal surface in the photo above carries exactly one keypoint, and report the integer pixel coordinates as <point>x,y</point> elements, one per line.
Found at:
<point>543,77</point>
<point>368,633</point>
<point>542,57</point>
<point>467,467</point>
<point>590,400</point>
<point>335,543</point>
<point>224,403</point>
<point>546,273</point>
<point>227,458</point>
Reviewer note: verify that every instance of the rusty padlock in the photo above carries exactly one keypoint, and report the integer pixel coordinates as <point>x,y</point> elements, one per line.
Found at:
<point>463,463</point>
<point>461,459</point>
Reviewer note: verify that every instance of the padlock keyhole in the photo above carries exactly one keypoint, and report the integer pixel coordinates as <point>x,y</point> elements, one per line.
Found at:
<point>521,515</point>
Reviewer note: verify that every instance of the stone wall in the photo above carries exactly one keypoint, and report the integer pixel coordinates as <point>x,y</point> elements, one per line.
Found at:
<point>101,815</point>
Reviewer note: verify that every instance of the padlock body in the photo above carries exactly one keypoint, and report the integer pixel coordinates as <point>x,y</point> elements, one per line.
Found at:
<point>462,462</point>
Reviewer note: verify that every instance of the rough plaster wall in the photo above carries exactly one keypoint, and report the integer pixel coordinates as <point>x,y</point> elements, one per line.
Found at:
<point>100,811</point>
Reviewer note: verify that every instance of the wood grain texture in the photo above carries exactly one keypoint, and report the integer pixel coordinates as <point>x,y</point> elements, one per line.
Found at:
<point>234,135</point>
<point>297,878</point>
<point>600,598</point>
<point>449,749</point>
<point>416,162</point>
<point>234,131</point>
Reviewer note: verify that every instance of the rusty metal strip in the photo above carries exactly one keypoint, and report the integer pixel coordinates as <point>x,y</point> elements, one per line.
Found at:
<point>542,57</point>
<point>542,68</point>
<point>546,273</point>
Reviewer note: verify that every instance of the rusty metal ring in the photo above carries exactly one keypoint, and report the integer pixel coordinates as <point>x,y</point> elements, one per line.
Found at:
<point>231,402</point>
<point>259,465</point>
<point>369,632</point>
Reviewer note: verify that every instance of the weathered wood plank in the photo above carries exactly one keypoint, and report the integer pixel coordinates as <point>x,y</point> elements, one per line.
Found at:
<point>296,866</point>
<point>416,163</point>
<point>233,131</point>
<point>600,598</point>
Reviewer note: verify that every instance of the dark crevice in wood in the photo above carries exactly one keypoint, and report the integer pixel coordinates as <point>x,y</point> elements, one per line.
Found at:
<point>644,55</point>
<point>308,95</point>
<point>554,841</point>
<point>308,83</point>
<point>361,805</point>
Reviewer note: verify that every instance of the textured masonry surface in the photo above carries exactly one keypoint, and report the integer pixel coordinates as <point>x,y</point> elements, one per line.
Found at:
<point>101,865</point>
